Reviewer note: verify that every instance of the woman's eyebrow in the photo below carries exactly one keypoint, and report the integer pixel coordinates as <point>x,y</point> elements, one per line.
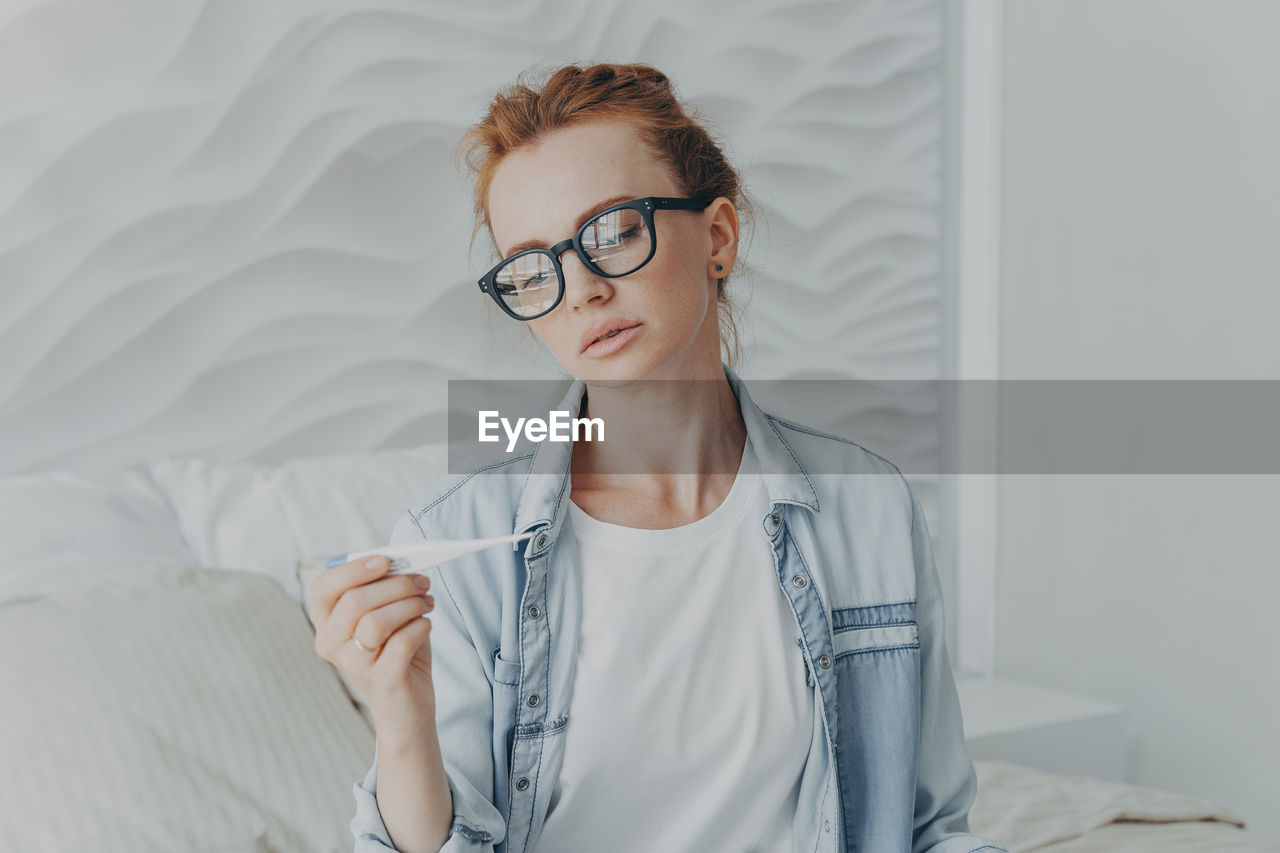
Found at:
<point>583,217</point>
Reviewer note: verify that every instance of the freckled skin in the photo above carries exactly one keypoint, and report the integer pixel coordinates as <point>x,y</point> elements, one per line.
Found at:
<point>538,191</point>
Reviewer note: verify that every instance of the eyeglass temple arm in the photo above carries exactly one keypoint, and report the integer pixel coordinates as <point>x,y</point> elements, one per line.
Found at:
<point>681,203</point>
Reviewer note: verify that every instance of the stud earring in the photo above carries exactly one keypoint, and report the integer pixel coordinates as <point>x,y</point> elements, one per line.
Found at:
<point>719,267</point>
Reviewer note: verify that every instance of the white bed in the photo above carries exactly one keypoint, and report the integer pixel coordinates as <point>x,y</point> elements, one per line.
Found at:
<point>162,691</point>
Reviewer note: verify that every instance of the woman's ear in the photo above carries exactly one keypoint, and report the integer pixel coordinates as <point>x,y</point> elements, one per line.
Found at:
<point>723,226</point>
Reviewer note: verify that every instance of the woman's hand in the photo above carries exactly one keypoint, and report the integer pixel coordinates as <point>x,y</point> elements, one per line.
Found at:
<point>386,614</point>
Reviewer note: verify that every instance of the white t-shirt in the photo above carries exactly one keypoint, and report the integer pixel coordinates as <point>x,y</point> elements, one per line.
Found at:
<point>690,718</point>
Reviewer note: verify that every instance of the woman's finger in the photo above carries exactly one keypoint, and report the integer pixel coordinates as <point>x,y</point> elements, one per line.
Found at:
<point>401,646</point>
<point>376,626</point>
<point>359,664</point>
<point>331,584</point>
<point>359,600</point>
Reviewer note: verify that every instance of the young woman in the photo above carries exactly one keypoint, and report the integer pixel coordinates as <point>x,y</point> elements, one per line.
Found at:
<point>738,648</point>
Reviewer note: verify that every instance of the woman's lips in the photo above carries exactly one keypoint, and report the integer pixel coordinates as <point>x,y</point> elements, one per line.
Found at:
<point>608,346</point>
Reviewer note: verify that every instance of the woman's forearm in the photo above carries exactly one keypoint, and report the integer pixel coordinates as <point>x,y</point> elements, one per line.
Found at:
<point>413,790</point>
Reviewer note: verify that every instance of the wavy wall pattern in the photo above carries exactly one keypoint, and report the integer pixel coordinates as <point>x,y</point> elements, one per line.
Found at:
<point>234,229</point>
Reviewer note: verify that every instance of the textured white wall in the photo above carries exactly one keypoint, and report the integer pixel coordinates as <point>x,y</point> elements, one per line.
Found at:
<point>1141,196</point>
<point>234,229</point>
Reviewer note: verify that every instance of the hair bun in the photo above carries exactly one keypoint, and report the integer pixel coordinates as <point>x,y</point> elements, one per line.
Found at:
<point>626,74</point>
<point>649,74</point>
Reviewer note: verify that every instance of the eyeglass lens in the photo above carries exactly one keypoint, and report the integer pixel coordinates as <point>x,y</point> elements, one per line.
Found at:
<point>617,242</point>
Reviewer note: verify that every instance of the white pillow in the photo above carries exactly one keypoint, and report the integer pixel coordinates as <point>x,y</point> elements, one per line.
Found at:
<point>173,708</point>
<point>264,518</point>
<point>59,529</point>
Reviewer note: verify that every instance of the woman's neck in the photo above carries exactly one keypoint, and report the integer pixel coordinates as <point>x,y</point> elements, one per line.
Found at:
<point>673,444</point>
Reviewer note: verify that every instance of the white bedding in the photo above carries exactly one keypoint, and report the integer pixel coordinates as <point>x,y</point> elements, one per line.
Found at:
<point>151,527</point>
<point>166,708</point>
<point>60,529</point>
<point>1029,809</point>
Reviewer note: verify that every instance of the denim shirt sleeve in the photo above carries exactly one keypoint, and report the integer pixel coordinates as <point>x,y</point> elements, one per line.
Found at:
<point>946,782</point>
<point>464,723</point>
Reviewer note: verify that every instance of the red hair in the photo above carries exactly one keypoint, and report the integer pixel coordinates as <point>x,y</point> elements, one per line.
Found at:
<point>522,114</point>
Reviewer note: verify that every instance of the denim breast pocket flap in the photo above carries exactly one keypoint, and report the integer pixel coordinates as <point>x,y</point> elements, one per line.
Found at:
<point>874,627</point>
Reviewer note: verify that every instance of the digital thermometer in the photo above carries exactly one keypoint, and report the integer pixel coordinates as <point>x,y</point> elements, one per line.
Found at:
<point>420,556</point>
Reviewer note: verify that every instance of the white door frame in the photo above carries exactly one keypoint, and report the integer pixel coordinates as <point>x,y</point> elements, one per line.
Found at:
<point>976,27</point>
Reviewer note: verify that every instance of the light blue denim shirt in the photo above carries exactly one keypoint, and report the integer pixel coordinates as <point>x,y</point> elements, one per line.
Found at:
<point>887,768</point>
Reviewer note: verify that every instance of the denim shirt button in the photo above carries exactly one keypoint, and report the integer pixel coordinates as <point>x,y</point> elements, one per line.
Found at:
<point>799,581</point>
<point>824,662</point>
<point>522,783</point>
<point>826,825</point>
<point>540,541</point>
<point>533,700</point>
<point>534,612</point>
<point>772,522</point>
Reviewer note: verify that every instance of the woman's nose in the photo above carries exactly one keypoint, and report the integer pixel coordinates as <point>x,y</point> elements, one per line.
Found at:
<point>581,284</point>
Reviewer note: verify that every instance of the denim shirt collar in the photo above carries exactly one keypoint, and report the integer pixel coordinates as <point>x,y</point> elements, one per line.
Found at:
<point>546,486</point>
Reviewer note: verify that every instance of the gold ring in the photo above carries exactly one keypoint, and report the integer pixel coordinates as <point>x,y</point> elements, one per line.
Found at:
<point>362,647</point>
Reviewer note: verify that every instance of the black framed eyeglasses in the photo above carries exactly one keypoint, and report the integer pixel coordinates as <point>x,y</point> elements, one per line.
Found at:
<point>615,242</point>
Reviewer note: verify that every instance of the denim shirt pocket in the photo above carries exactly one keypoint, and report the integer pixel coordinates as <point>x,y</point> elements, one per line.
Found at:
<point>506,684</point>
<point>505,671</point>
<point>877,670</point>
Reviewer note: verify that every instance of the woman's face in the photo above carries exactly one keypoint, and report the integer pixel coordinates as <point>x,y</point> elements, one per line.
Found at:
<point>543,193</point>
